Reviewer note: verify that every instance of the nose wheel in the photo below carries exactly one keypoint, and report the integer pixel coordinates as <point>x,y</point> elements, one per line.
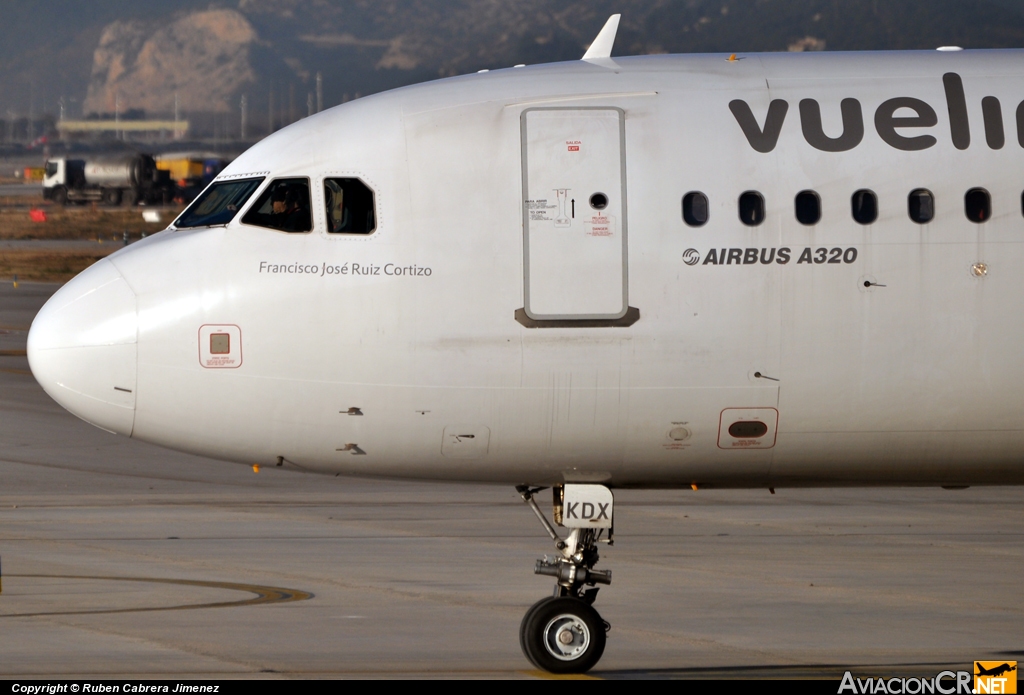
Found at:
<point>563,633</point>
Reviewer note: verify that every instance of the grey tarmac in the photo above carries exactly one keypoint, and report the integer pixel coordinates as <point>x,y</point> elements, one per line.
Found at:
<point>122,560</point>
<point>22,190</point>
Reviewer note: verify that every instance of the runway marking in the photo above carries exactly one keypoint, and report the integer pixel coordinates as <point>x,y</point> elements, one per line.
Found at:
<point>562,676</point>
<point>264,594</point>
<point>13,353</point>
<point>815,672</point>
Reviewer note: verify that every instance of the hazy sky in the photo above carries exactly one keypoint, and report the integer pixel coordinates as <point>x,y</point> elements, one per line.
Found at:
<point>47,47</point>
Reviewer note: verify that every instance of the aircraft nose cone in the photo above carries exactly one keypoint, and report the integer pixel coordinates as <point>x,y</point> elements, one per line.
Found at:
<point>82,348</point>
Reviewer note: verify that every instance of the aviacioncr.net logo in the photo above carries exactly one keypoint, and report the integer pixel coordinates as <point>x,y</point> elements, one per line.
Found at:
<point>691,256</point>
<point>943,683</point>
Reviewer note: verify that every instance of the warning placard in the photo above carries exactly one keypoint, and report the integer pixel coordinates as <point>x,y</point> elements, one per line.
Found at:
<point>220,346</point>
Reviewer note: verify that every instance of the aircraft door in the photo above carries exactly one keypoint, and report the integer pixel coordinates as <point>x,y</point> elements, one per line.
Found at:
<point>574,214</point>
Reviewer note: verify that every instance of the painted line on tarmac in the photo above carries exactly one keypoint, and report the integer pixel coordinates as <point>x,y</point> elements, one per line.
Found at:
<point>562,676</point>
<point>264,594</point>
<point>13,353</point>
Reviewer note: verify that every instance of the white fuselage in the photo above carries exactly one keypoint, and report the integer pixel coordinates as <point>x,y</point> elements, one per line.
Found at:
<point>896,363</point>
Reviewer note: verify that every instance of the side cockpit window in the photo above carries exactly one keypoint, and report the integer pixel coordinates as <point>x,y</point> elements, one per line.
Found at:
<point>283,206</point>
<point>350,207</point>
<point>218,204</point>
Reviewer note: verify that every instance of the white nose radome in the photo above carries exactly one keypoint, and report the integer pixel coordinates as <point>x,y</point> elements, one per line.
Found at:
<point>82,348</point>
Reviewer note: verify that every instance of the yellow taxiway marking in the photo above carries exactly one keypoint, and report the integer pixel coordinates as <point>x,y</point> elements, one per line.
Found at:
<point>562,676</point>
<point>12,353</point>
<point>264,594</point>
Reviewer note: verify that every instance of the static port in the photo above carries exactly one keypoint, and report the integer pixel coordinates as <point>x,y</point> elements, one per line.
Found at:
<point>748,429</point>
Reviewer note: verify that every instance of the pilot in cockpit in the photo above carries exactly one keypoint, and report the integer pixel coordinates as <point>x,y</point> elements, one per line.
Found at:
<point>295,216</point>
<point>278,201</point>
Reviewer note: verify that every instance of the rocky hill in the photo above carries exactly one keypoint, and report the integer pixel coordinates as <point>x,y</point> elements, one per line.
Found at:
<point>201,59</point>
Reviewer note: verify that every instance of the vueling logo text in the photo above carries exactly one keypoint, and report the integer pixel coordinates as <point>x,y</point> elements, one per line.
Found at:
<point>888,125</point>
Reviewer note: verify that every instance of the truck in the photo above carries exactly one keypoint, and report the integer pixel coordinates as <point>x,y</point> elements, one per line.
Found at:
<point>130,179</point>
<point>191,172</point>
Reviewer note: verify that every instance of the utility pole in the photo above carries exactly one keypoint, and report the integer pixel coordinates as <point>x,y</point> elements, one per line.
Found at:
<point>60,105</point>
<point>245,115</point>
<point>177,117</point>
<point>319,93</point>
<point>282,111</point>
<point>270,123</point>
<point>31,111</point>
<point>117,115</point>
<point>309,103</point>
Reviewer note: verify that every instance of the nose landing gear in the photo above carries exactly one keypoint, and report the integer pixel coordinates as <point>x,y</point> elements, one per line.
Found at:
<point>563,633</point>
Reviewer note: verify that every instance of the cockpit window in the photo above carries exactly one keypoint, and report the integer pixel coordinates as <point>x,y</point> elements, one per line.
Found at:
<point>218,204</point>
<point>284,206</point>
<point>350,208</point>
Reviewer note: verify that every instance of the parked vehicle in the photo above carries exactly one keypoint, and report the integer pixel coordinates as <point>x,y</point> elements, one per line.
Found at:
<point>191,172</point>
<point>129,179</point>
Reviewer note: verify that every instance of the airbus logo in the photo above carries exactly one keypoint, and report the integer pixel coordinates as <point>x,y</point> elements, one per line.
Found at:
<point>769,256</point>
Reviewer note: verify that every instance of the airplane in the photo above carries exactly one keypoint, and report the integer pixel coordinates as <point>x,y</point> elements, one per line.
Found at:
<point>689,271</point>
<point>995,671</point>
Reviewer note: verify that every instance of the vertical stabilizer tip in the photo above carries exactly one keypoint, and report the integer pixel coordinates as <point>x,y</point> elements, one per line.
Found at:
<point>602,46</point>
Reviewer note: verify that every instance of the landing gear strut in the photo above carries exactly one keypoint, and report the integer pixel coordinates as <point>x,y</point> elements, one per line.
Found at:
<point>563,633</point>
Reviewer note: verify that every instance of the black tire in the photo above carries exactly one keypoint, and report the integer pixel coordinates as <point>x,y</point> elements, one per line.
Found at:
<point>526,621</point>
<point>112,196</point>
<point>60,196</point>
<point>553,620</point>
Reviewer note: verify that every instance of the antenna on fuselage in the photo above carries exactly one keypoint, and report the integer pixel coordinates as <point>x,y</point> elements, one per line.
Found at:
<point>602,46</point>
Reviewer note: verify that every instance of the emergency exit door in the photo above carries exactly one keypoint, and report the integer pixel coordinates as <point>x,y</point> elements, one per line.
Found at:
<point>574,214</point>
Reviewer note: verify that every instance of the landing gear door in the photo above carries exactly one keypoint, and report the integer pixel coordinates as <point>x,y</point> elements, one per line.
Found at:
<point>574,213</point>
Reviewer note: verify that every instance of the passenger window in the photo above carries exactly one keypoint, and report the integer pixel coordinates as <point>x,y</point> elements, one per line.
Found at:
<point>921,206</point>
<point>978,205</point>
<point>284,206</point>
<point>808,207</point>
<point>350,207</point>
<point>865,206</point>
<point>752,208</point>
<point>695,209</point>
